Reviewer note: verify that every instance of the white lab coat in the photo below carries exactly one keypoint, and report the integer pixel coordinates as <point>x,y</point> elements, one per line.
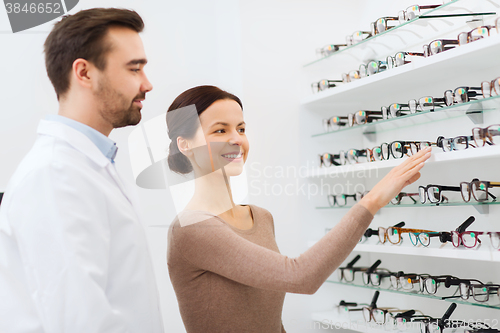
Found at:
<point>73,254</point>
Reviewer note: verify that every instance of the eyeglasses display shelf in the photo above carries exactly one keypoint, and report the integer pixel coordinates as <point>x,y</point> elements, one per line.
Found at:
<point>437,157</point>
<point>472,109</point>
<point>450,252</point>
<point>457,300</point>
<point>416,75</point>
<point>331,319</point>
<point>431,24</point>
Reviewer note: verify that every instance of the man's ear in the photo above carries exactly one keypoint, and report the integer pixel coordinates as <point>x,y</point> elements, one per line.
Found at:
<point>184,146</point>
<point>83,73</point>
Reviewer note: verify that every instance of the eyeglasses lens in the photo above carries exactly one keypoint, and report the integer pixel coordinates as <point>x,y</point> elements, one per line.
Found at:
<point>366,278</point>
<point>461,95</point>
<point>335,123</point>
<point>357,37</point>
<point>493,133</point>
<point>431,285</point>
<point>464,290</point>
<point>469,239</point>
<point>381,234</point>
<point>465,190</point>
<point>367,314</point>
<point>393,235</point>
<point>447,144</point>
<point>378,315</point>
<point>422,194</point>
<point>436,47</point>
<point>412,12</point>
<point>377,154</point>
<point>426,103</point>
<point>413,105</point>
<point>463,38</point>
<point>345,78</point>
<point>372,68</point>
<point>349,274</point>
<point>401,16</point>
<point>399,59</point>
<point>326,125</point>
<point>486,89</point>
<point>455,239</point>
<point>394,110</point>
<point>424,239</point>
<point>406,282</point>
<point>397,149</point>
<point>362,71</point>
<point>354,75</point>
<point>480,293</point>
<point>479,33</point>
<point>360,117</point>
<point>496,87</point>
<point>448,97</point>
<point>394,282</point>
<point>381,25</point>
<point>413,238</point>
<point>460,143</point>
<point>479,191</point>
<point>495,240</point>
<point>375,279</point>
<point>385,150</point>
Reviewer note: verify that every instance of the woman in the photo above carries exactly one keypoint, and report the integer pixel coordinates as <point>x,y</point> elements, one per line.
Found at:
<point>223,260</point>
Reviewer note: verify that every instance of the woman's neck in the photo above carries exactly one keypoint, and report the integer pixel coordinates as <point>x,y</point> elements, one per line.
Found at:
<point>212,193</point>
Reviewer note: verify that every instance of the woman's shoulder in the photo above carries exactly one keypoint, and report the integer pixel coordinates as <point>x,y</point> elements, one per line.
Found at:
<point>263,212</point>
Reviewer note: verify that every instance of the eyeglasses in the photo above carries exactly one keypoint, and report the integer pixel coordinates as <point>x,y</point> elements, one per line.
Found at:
<point>334,123</point>
<point>465,94</point>
<point>468,239</point>
<point>381,25</point>
<point>393,234</point>
<point>474,34</point>
<point>354,155</point>
<point>340,199</point>
<point>379,315</point>
<point>375,278</point>
<point>480,292</point>
<point>490,88</point>
<point>372,232</point>
<point>395,110</point>
<point>400,59</point>
<point>489,135</point>
<point>423,238</point>
<point>438,46</point>
<point>434,193</point>
<point>430,284</point>
<point>376,66</point>
<point>427,103</point>
<point>398,149</point>
<point>357,36</point>
<point>457,143</point>
<point>323,85</point>
<point>329,49</point>
<point>478,189</point>
<point>412,12</point>
<point>363,117</point>
<point>400,196</point>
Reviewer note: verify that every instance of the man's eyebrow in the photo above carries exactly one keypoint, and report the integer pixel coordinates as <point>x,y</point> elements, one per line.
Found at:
<point>137,61</point>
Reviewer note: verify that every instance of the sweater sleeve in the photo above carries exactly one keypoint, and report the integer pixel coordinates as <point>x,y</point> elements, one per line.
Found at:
<point>211,245</point>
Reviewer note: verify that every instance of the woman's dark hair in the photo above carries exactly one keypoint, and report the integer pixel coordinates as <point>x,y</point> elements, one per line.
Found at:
<point>185,124</point>
<point>82,35</point>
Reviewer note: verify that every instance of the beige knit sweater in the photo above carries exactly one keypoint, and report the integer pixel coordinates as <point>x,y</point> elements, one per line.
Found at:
<point>232,280</point>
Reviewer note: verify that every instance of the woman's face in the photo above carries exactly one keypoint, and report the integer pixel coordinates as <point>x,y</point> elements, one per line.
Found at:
<point>223,129</point>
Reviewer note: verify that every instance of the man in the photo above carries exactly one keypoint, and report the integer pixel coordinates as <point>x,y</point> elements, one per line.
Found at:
<point>73,255</point>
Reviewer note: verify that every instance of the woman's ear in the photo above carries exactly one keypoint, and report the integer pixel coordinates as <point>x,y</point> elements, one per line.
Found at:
<point>184,146</point>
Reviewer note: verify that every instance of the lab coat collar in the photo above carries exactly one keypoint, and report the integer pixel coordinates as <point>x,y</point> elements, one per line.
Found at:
<point>75,138</point>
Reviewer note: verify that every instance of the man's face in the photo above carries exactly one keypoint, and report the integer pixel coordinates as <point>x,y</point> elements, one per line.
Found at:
<point>123,85</point>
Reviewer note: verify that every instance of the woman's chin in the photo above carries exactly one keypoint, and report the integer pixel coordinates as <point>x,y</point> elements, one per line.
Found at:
<point>233,169</point>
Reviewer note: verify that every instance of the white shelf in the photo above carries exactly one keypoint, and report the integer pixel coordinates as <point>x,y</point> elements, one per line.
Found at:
<point>416,75</point>
<point>330,319</point>
<point>451,253</point>
<point>437,157</point>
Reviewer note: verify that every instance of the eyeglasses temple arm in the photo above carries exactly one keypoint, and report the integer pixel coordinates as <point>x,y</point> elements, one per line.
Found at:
<point>374,266</point>
<point>465,224</point>
<point>373,304</point>
<point>344,303</point>
<point>399,225</point>
<point>448,312</point>
<point>451,188</point>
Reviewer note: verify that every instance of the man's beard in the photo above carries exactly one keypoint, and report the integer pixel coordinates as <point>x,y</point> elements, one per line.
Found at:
<point>114,106</point>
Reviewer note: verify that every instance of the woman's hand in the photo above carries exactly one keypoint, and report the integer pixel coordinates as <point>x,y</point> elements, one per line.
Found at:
<point>391,185</point>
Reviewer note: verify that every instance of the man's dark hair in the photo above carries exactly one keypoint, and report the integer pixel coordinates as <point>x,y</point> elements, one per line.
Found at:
<point>82,35</point>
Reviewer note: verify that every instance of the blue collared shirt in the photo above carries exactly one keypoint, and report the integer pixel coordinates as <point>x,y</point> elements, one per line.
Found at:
<point>106,145</point>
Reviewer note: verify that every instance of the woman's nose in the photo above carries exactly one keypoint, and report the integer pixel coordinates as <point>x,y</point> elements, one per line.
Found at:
<point>235,139</point>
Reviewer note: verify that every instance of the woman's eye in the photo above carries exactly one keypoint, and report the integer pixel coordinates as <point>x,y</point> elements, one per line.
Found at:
<point>219,131</point>
<point>242,130</point>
